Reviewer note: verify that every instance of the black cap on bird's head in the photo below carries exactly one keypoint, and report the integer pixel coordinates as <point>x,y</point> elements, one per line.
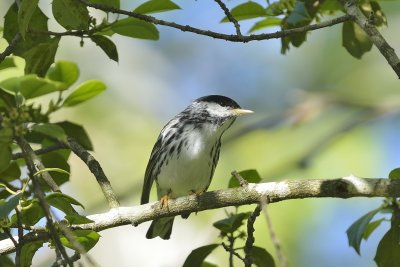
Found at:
<point>220,100</point>
<point>224,102</point>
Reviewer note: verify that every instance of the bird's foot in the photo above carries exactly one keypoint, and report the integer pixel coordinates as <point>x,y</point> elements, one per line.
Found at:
<point>197,194</point>
<point>164,200</point>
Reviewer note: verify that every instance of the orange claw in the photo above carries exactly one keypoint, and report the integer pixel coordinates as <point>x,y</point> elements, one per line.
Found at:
<point>164,200</point>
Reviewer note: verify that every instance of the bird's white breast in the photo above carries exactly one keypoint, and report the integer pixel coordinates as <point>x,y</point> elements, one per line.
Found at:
<point>190,170</point>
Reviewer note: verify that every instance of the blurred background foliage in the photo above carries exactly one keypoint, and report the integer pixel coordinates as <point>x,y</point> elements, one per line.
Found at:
<point>320,113</point>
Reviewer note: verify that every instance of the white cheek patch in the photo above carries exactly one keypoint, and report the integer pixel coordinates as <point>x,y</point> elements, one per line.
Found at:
<point>216,110</point>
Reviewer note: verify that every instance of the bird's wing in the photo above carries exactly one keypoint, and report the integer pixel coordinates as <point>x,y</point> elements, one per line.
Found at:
<point>149,177</point>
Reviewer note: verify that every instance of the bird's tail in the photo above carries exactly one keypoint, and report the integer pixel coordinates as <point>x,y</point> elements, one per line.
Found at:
<point>161,227</point>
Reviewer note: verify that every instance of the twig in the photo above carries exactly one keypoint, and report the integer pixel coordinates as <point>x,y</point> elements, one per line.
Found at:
<point>8,233</point>
<point>36,164</point>
<point>78,247</point>
<point>73,258</point>
<point>248,247</point>
<point>345,187</point>
<point>275,241</point>
<point>386,50</point>
<point>30,159</point>
<point>95,168</point>
<point>232,252</point>
<point>40,151</point>
<point>20,237</point>
<point>229,16</point>
<point>10,48</point>
<point>241,180</point>
<point>217,35</point>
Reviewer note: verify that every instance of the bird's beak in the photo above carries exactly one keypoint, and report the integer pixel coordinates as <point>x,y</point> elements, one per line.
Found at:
<point>240,112</point>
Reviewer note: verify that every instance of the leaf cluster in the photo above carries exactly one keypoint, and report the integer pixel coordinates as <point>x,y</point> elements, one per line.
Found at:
<point>38,46</point>
<point>290,14</point>
<point>231,230</point>
<point>22,117</point>
<point>387,251</point>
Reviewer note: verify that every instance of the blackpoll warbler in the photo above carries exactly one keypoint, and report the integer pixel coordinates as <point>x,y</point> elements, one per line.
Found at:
<point>186,153</point>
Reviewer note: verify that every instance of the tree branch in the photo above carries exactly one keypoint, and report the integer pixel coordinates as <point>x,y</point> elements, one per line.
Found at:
<point>217,35</point>
<point>33,163</point>
<point>36,165</point>
<point>95,168</point>
<point>386,50</point>
<point>229,16</point>
<point>277,245</point>
<point>40,151</point>
<point>345,187</point>
<point>248,260</point>
<point>10,48</point>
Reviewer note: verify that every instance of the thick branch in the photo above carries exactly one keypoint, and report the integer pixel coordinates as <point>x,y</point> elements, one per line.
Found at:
<point>386,50</point>
<point>217,35</point>
<point>346,187</point>
<point>95,168</point>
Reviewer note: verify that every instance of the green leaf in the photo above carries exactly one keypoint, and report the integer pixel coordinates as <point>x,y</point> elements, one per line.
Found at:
<point>5,261</point>
<point>331,6</point>
<point>394,174</point>
<point>78,133</point>
<point>30,86</point>
<point>8,62</point>
<point>279,8</point>
<point>31,214</point>
<point>371,228</point>
<point>248,10</point>
<point>299,15</point>
<point>84,92</point>
<point>208,264</point>
<point>39,58</point>
<point>77,219</point>
<point>265,23</point>
<point>135,28</point>
<point>387,253</point>
<point>38,22</point>
<point>355,40</point>
<point>64,71</point>
<point>51,130</point>
<point>7,99</point>
<point>155,6</point>
<point>251,176</point>
<point>71,14</point>
<point>356,231</point>
<point>106,45</point>
<point>6,135</point>
<point>373,7</point>
<point>232,223</point>
<point>198,255</point>
<point>7,207</point>
<point>87,238</point>
<point>11,173</point>
<point>25,13</point>
<point>111,3</point>
<point>28,250</point>
<point>261,257</point>
<point>5,157</point>
<point>56,160</point>
<point>63,202</point>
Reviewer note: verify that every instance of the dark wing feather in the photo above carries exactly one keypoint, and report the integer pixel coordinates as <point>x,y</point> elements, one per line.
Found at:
<point>148,177</point>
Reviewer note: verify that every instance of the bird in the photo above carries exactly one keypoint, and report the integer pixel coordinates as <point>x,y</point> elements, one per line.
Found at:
<point>186,153</point>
